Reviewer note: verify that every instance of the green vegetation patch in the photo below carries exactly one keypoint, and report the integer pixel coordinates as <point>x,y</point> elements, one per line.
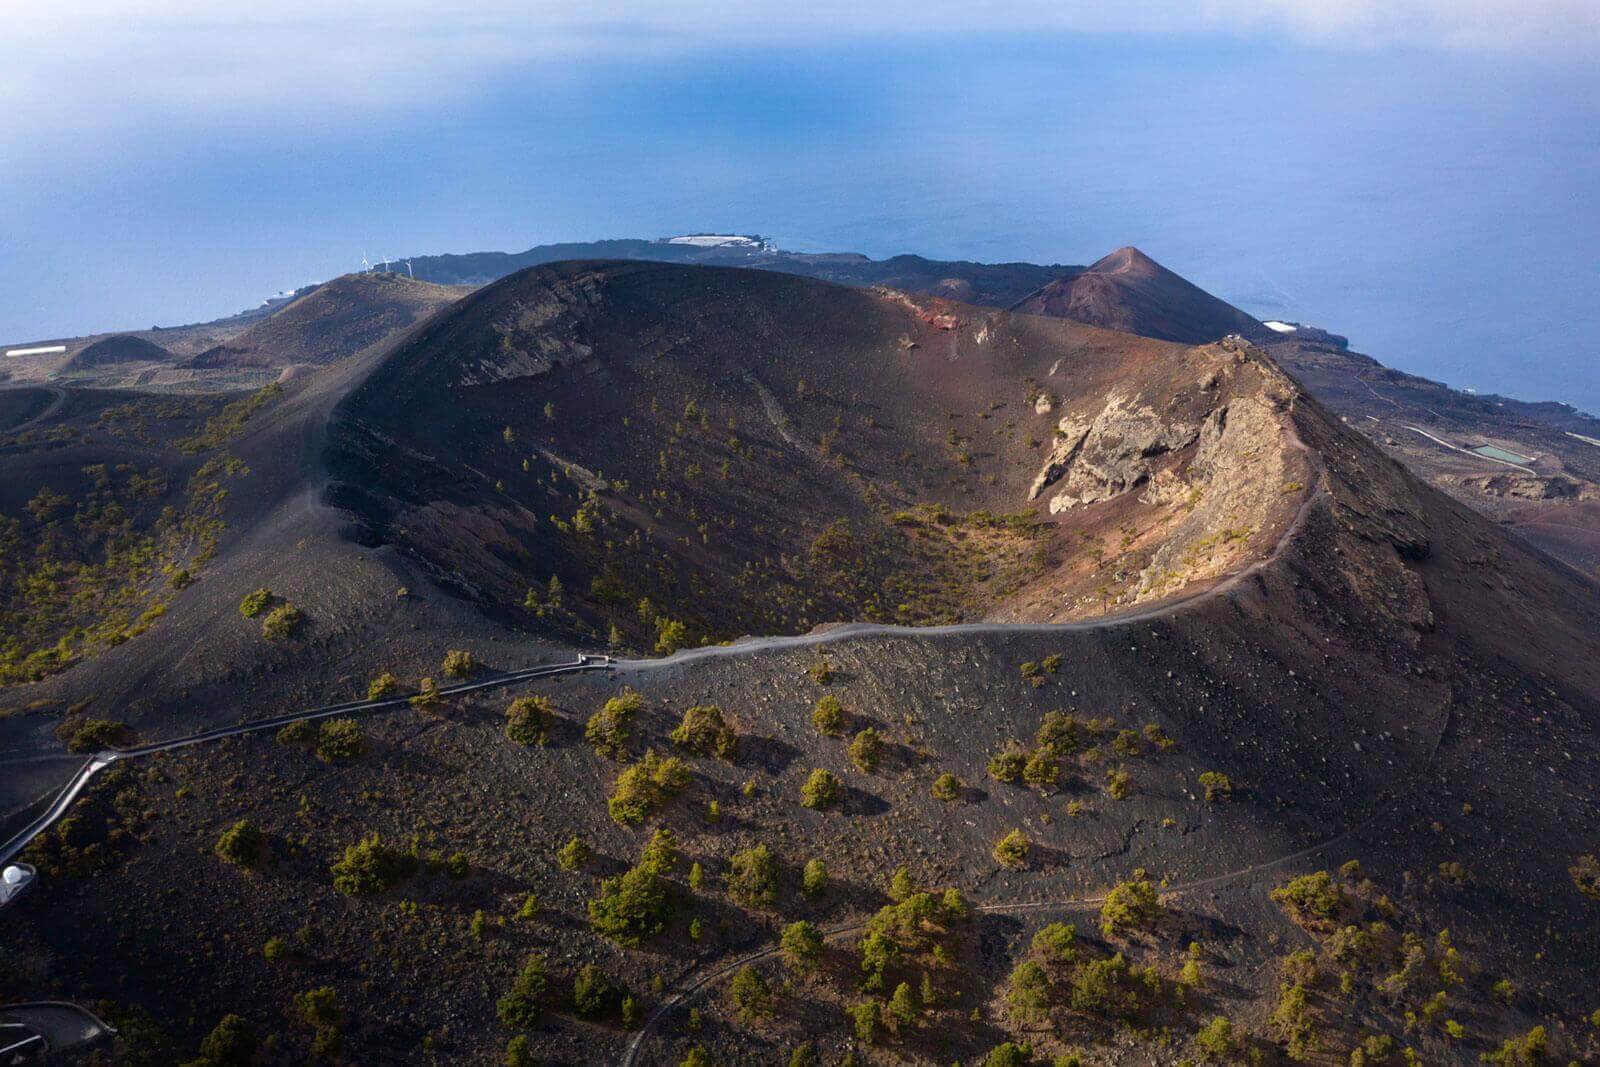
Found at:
<point>369,866</point>
<point>705,732</point>
<point>96,735</point>
<point>633,907</point>
<point>282,622</point>
<point>528,720</point>
<point>753,877</point>
<point>242,845</point>
<point>823,789</point>
<point>83,572</point>
<point>338,740</point>
<point>645,786</point>
<point>609,729</point>
<point>101,828</point>
<point>255,602</point>
<point>228,423</point>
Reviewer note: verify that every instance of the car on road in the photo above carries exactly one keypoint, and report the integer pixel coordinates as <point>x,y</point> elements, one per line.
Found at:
<point>14,881</point>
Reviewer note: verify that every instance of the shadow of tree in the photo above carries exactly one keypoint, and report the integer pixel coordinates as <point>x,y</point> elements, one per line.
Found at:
<point>766,753</point>
<point>854,801</point>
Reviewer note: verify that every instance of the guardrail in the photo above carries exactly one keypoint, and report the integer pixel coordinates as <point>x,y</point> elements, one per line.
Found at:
<point>101,760</point>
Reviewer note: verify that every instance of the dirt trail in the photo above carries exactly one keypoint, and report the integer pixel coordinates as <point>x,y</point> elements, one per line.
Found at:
<point>776,415</point>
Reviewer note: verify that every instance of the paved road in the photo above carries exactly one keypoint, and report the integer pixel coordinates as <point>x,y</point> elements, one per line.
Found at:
<point>101,760</point>
<point>1469,452</point>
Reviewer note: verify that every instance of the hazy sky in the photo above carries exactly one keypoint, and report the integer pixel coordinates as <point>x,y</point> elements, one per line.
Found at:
<point>1422,175</point>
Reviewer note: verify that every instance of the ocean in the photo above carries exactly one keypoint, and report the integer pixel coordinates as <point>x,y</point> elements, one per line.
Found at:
<point>1441,209</point>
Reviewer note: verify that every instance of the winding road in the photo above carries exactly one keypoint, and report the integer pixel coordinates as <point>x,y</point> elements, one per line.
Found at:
<point>697,983</point>
<point>99,761</point>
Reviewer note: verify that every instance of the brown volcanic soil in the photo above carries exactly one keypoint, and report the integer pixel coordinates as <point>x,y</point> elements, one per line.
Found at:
<point>1568,530</point>
<point>1343,672</point>
<point>1129,291</point>
<point>162,671</point>
<point>180,342</point>
<point>938,462</point>
<point>331,322</point>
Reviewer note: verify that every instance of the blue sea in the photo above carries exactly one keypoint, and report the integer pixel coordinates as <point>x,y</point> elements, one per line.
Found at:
<point>1442,209</point>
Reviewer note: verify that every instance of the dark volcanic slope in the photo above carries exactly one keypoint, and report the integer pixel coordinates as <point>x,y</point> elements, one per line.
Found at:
<point>621,429</point>
<point>122,348</point>
<point>1127,290</point>
<point>1556,507</point>
<point>1398,694</point>
<point>1553,499</point>
<point>332,322</point>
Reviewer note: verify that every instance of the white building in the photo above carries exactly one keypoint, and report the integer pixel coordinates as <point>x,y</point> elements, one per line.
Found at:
<point>721,240</point>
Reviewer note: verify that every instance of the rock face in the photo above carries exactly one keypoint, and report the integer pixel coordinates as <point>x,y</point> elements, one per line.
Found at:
<point>1109,455</point>
<point>1206,457</point>
<point>1135,438</point>
<point>539,334</point>
<point>1237,474</point>
<point>516,333</point>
